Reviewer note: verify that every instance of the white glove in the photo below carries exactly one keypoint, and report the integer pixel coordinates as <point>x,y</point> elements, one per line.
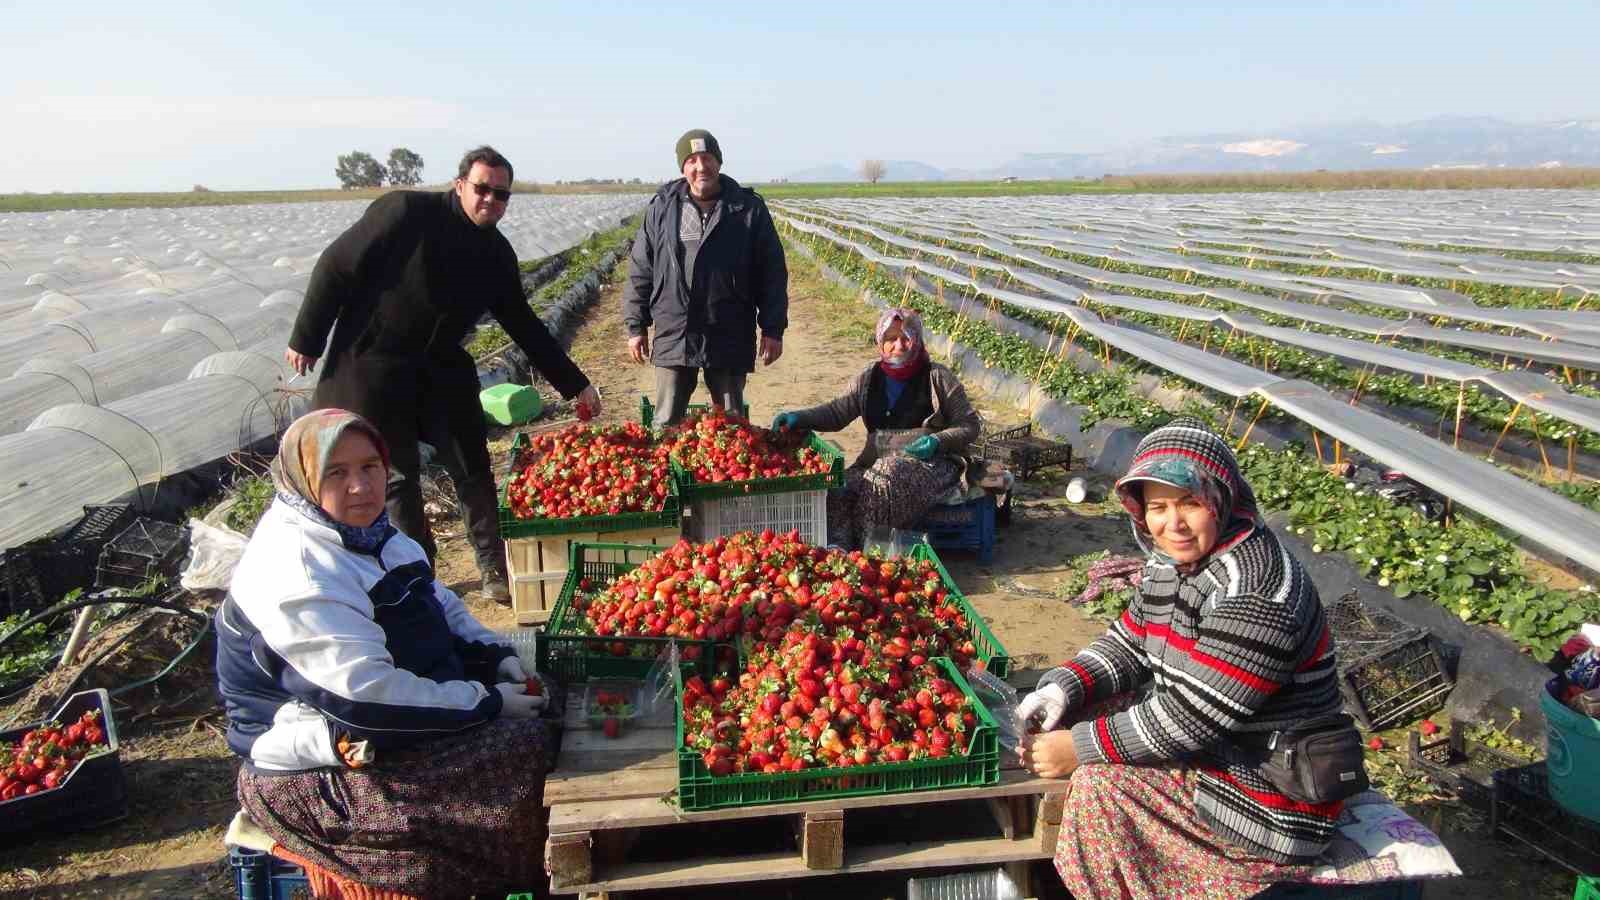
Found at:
<point>514,704</point>
<point>1047,704</point>
<point>511,670</point>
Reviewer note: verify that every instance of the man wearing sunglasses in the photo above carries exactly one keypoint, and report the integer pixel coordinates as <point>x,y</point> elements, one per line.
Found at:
<point>707,268</point>
<point>400,291</point>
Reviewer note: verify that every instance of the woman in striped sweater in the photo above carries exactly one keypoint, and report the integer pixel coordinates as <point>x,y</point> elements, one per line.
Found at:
<point>1227,639</point>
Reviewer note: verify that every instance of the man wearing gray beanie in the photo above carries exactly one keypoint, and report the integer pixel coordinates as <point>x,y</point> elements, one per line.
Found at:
<point>707,268</point>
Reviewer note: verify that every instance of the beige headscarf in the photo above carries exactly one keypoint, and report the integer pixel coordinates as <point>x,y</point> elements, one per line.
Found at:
<point>303,452</point>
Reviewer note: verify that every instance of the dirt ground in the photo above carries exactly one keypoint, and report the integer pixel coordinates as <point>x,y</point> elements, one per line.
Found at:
<point>181,774</point>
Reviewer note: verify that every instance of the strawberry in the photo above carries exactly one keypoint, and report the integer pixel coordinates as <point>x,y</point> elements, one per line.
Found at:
<point>533,687</point>
<point>1375,744</point>
<point>611,727</point>
<point>1427,728</point>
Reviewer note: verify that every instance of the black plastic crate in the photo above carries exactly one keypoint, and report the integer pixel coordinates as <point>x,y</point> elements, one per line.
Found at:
<point>1389,671</point>
<point>1523,812</point>
<point>95,793</point>
<point>145,550</point>
<point>261,876</point>
<point>38,573</point>
<point>1024,452</point>
<point>1464,767</point>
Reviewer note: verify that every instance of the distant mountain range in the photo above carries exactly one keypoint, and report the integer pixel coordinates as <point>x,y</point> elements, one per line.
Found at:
<point>1446,142</point>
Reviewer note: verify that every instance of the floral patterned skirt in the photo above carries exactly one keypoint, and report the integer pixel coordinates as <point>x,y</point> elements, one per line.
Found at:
<point>454,817</point>
<point>1132,832</point>
<point>894,492</point>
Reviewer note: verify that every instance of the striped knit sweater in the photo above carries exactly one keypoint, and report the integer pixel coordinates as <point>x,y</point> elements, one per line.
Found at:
<point>1240,645</point>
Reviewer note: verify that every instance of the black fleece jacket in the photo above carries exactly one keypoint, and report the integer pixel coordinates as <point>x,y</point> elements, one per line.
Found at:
<point>401,288</point>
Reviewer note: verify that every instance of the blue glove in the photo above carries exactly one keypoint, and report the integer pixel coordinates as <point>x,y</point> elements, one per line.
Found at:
<point>785,422</point>
<point>923,447</point>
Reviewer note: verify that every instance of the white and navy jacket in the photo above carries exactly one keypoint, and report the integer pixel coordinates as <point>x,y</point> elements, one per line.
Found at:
<point>316,640</point>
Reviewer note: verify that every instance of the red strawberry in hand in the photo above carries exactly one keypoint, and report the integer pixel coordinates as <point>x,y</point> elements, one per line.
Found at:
<point>1427,728</point>
<point>533,687</point>
<point>584,412</point>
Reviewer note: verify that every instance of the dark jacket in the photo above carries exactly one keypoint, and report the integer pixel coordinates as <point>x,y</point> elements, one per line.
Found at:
<point>405,284</point>
<point>740,281</point>
<point>954,420</point>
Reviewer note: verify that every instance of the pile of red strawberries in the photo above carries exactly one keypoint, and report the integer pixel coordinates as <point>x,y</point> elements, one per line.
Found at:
<point>46,755</point>
<point>839,649</point>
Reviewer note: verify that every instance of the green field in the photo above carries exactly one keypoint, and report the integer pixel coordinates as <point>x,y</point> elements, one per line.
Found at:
<point>1394,179</point>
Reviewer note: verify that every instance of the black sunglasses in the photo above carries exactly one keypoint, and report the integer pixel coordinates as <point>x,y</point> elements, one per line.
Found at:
<point>484,190</point>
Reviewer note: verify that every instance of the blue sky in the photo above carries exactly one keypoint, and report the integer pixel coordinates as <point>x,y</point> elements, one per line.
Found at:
<point>164,95</point>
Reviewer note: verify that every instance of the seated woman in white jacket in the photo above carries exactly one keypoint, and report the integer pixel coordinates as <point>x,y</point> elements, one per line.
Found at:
<point>387,735</point>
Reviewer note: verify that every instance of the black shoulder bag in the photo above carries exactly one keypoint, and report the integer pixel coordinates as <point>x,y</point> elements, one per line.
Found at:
<point>1317,761</point>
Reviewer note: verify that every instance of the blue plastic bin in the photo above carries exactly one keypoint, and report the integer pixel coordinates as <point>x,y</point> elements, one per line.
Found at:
<point>262,876</point>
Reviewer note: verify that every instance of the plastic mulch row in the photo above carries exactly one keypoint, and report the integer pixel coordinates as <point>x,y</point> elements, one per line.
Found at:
<point>513,527</point>
<point>979,766</point>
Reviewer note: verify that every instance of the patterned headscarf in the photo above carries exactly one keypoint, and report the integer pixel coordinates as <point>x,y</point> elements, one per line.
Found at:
<point>911,326</point>
<point>1187,454</point>
<point>303,454</point>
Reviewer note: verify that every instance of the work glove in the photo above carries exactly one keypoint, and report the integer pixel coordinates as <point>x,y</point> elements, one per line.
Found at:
<point>511,670</point>
<point>514,704</point>
<point>1047,704</point>
<point>785,421</point>
<point>923,447</point>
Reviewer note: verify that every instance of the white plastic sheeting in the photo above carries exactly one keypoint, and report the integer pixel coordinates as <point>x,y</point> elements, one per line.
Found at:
<point>137,344</point>
<point>1518,505</point>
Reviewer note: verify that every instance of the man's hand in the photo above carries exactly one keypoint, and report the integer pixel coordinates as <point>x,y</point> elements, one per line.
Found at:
<point>1048,755</point>
<point>589,398</point>
<point>639,347</point>
<point>298,361</point>
<point>770,350</point>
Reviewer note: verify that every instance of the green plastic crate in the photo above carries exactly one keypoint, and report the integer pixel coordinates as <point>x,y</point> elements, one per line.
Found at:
<point>1588,888</point>
<point>575,657</point>
<point>510,404</point>
<point>513,527</point>
<point>691,490</point>
<point>647,411</point>
<point>990,650</point>
<point>699,790</point>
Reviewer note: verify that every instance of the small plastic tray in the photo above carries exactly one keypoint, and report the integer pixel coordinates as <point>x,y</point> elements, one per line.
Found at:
<point>95,792</point>
<point>1024,452</point>
<point>144,550</point>
<point>632,692</point>
<point>1463,766</point>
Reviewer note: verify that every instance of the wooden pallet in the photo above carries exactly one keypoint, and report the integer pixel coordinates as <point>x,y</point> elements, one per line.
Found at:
<point>611,805</point>
<point>537,566</point>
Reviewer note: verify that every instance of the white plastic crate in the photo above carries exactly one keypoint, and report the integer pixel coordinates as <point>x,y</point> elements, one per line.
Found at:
<point>803,510</point>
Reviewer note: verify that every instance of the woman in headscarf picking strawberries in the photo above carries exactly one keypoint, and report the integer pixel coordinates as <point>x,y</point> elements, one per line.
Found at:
<point>919,425</point>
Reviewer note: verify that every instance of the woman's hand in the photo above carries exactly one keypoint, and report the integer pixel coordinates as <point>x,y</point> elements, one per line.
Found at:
<point>514,704</point>
<point>511,670</point>
<point>1048,755</point>
<point>1047,704</point>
